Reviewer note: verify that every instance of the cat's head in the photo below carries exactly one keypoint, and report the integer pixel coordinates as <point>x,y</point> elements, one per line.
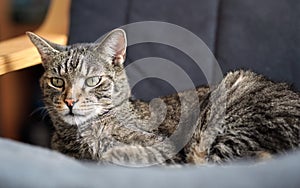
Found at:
<point>83,81</point>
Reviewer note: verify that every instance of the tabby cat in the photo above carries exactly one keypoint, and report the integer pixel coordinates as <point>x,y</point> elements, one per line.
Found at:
<point>87,95</point>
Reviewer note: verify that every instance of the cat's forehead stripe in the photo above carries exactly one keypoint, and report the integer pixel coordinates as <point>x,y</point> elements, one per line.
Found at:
<point>80,62</point>
<point>68,60</point>
<point>88,70</point>
<point>58,70</point>
<point>73,61</point>
<point>77,60</point>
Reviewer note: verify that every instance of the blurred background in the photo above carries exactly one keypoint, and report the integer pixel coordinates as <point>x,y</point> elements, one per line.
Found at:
<point>18,91</point>
<point>18,16</point>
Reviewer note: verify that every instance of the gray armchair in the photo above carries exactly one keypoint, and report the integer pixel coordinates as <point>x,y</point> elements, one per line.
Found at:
<point>262,35</point>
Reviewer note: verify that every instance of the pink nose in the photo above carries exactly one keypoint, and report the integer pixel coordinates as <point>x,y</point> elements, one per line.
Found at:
<point>70,102</point>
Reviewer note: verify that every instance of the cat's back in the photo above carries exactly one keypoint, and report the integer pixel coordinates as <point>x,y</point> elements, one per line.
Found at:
<point>247,93</point>
<point>248,114</point>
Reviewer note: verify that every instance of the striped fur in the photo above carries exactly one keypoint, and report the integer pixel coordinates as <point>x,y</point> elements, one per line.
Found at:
<point>259,118</point>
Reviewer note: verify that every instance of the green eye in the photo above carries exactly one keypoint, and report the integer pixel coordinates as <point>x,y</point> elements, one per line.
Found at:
<point>92,81</point>
<point>57,82</point>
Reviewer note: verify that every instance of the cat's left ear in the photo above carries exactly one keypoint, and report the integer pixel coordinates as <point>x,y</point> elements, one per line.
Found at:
<point>114,45</point>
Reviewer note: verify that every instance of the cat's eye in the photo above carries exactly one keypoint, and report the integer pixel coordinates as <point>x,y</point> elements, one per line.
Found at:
<point>57,82</point>
<point>93,81</point>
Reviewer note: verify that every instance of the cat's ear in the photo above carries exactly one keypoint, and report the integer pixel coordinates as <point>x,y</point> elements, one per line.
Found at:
<point>114,45</point>
<point>46,48</point>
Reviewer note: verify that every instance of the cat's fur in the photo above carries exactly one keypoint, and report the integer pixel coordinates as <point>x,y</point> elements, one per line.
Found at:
<point>260,118</point>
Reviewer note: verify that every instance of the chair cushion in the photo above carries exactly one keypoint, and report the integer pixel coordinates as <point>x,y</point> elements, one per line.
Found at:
<point>24,165</point>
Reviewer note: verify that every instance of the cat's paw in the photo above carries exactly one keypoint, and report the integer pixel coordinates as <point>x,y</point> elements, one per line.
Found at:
<point>134,156</point>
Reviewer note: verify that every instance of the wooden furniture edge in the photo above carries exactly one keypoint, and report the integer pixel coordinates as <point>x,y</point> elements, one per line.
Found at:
<point>18,53</point>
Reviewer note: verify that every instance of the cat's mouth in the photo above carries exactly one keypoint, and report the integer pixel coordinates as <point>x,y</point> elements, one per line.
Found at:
<point>73,118</point>
<point>74,114</point>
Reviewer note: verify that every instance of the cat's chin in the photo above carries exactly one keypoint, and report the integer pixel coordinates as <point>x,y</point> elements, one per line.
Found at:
<point>76,119</point>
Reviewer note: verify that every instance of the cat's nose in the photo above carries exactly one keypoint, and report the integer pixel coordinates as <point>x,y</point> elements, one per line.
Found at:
<point>70,102</point>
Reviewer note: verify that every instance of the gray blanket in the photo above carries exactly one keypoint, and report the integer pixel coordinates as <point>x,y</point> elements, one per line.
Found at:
<point>30,166</point>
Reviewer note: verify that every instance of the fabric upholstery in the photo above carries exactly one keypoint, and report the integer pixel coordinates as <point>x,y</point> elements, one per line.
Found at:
<point>261,35</point>
<point>185,14</point>
<point>25,166</point>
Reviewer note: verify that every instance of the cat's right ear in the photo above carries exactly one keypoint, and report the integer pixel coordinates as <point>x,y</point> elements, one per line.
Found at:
<point>46,49</point>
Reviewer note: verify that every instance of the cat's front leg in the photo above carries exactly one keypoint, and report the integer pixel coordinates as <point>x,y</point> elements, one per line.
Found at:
<point>134,156</point>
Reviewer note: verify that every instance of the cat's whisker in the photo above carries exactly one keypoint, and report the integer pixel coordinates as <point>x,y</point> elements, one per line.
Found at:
<point>42,109</point>
<point>45,114</point>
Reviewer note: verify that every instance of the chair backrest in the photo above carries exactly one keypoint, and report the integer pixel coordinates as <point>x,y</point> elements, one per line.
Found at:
<point>261,35</point>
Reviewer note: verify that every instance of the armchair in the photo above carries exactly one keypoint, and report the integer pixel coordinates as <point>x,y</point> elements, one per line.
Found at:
<point>262,35</point>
